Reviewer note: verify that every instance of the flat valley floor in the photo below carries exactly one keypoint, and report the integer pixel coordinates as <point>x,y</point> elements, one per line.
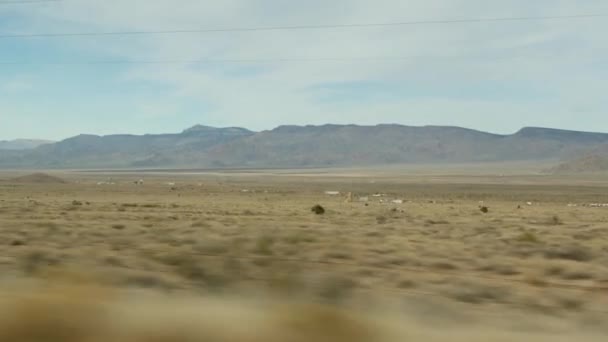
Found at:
<point>240,256</point>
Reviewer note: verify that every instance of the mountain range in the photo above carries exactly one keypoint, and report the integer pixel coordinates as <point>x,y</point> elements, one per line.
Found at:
<point>304,146</point>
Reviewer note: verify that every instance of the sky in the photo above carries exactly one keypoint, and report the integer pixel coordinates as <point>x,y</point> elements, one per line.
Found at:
<point>490,76</point>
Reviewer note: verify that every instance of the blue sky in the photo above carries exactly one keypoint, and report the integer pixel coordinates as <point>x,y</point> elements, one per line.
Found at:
<point>495,77</point>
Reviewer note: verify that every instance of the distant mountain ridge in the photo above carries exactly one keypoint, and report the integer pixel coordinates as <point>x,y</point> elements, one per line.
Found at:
<point>23,144</point>
<point>305,146</point>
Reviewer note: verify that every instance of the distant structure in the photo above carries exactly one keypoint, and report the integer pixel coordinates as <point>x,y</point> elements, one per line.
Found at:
<point>349,198</point>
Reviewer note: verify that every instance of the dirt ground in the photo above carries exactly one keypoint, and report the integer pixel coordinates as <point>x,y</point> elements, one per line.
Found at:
<point>413,245</point>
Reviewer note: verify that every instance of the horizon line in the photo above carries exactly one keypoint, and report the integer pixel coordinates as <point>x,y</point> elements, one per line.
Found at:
<point>310,126</point>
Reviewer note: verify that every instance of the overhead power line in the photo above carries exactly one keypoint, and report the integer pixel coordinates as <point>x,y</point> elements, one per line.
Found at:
<point>213,61</point>
<point>245,61</point>
<point>27,2</point>
<point>301,27</point>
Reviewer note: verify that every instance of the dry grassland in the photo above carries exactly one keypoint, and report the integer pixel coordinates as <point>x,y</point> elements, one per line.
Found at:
<point>180,258</point>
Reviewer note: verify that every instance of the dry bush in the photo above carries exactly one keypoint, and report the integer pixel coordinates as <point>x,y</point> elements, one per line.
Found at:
<point>436,222</point>
<point>406,284</point>
<point>264,244</point>
<point>18,242</point>
<point>114,261</point>
<point>265,262</point>
<point>366,272</point>
<point>393,261</point>
<point>444,266</point>
<point>382,250</point>
<point>200,224</point>
<point>554,221</point>
<point>568,302</point>
<point>33,261</point>
<point>339,255</point>
<point>528,237</point>
<point>318,209</point>
<point>572,252</point>
<point>299,238</point>
<point>151,205</point>
<point>577,275</point>
<point>195,272</point>
<point>536,281</point>
<point>554,270</point>
<point>374,234</point>
<point>336,288</point>
<point>190,267</point>
<point>550,221</point>
<point>144,280</point>
<point>49,225</point>
<point>71,208</point>
<point>477,293</point>
<point>501,269</point>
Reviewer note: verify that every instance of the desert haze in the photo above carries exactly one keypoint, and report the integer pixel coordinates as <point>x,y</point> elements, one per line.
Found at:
<point>23,144</point>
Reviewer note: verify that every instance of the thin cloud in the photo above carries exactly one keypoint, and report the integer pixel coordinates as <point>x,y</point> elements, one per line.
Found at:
<point>548,58</point>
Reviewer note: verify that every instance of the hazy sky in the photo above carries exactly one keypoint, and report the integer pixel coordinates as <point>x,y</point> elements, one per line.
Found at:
<point>496,76</point>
